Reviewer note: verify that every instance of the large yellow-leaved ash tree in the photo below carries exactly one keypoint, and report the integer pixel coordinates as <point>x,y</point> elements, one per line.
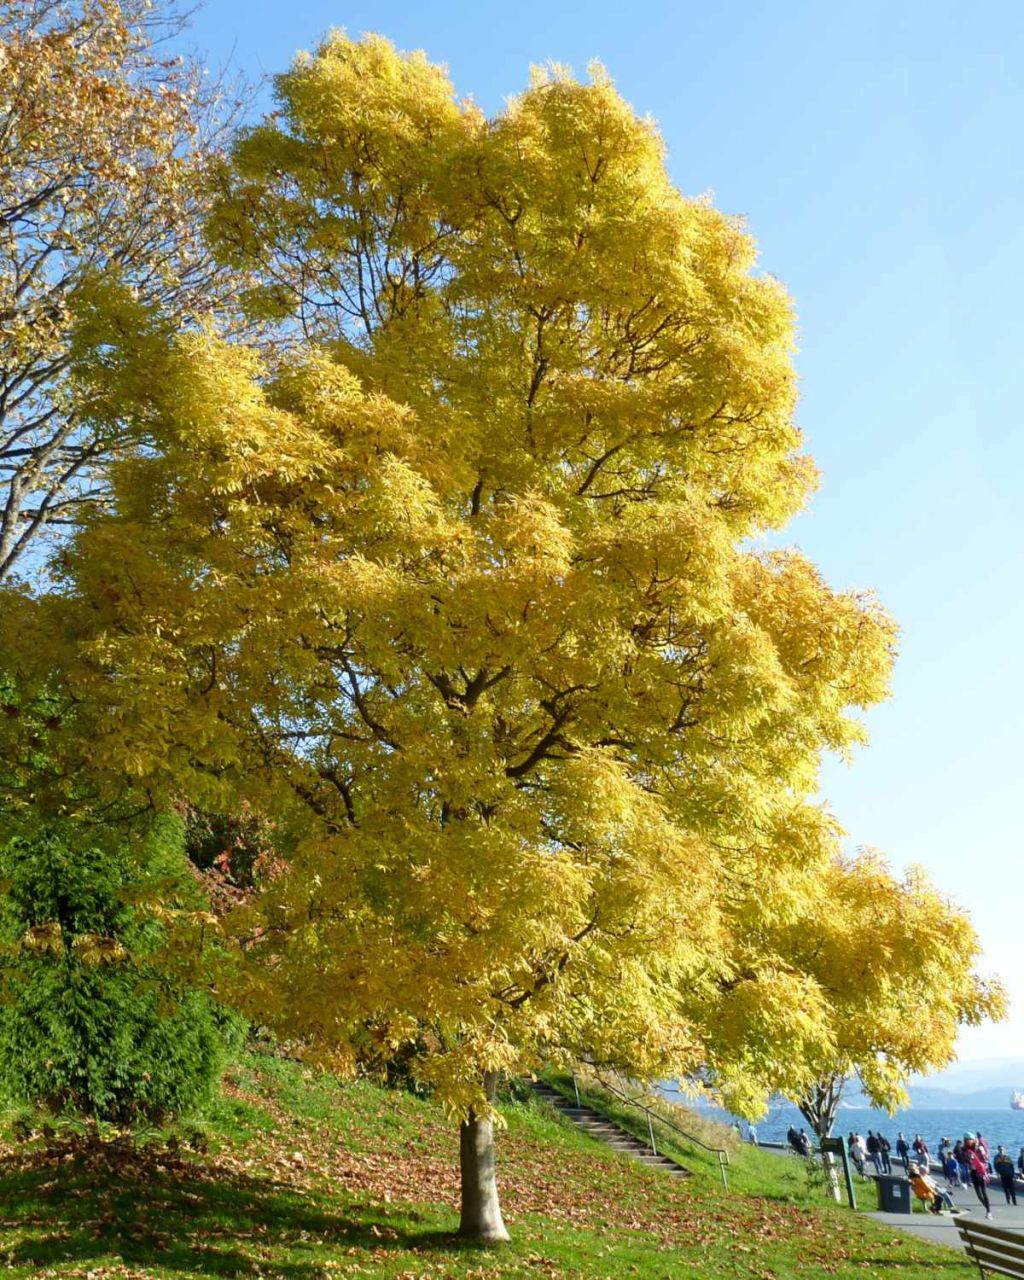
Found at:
<point>456,582</point>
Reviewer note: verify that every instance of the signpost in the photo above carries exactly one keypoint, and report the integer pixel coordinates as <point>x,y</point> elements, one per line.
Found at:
<point>837,1147</point>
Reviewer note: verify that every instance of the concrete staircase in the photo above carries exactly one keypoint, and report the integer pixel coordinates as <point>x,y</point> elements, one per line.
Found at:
<point>608,1132</point>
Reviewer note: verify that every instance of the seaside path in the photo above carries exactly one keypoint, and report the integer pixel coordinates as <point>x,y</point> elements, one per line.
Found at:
<point>942,1230</point>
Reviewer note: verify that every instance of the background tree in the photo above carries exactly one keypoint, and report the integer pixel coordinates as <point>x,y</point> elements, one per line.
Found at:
<point>462,596</point>
<point>897,964</point>
<point>101,131</point>
<point>92,1018</point>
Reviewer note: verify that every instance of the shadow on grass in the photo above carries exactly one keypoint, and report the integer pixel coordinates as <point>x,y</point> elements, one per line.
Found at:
<point>180,1216</point>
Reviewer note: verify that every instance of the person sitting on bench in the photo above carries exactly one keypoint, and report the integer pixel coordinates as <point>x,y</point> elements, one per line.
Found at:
<point>928,1190</point>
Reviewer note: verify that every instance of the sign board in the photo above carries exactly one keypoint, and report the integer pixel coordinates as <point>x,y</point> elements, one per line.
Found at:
<point>836,1147</point>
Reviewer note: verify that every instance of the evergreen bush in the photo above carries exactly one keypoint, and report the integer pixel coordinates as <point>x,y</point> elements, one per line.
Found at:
<point>91,1020</point>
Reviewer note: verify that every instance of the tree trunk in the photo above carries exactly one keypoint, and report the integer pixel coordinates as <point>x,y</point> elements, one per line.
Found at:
<point>819,1104</point>
<point>833,1178</point>
<point>481,1212</point>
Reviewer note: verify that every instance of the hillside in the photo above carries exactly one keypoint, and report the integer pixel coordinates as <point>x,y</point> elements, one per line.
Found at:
<point>305,1179</point>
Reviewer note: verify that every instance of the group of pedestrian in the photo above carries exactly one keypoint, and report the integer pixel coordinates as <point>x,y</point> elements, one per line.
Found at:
<point>799,1140</point>
<point>955,1160</point>
<point>875,1148</point>
<point>966,1162</point>
<point>919,1147</point>
<point>974,1156</point>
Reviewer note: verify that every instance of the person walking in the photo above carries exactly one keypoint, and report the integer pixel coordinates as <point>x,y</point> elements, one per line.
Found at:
<point>924,1156</point>
<point>1003,1165</point>
<point>978,1169</point>
<point>858,1154</point>
<point>903,1149</point>
<point>951,1167</point>
<point>884,1147</point>
<point>1020,1163</point>
<point>804,1143</point>
<point>873,1153</point>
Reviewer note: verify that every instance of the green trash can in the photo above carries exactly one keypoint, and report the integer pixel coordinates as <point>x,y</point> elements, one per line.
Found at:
<point>893,1194</point>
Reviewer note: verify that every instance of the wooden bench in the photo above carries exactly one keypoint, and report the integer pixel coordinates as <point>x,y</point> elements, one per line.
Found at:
<point>997,1250</point>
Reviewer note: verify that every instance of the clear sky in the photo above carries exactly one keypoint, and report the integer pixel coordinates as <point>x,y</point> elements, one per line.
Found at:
<point>875,148</point>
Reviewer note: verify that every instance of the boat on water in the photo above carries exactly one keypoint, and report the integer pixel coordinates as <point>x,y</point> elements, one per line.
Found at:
<point>1017,1100</point>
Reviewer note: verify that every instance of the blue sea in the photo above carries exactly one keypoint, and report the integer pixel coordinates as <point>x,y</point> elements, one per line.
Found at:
<point>997,1126</point>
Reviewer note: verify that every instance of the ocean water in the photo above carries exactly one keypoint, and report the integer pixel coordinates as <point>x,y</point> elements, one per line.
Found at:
<point>1002,1125</point>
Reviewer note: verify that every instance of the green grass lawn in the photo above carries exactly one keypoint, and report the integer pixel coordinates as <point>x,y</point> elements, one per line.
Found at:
<point>308,1179</point>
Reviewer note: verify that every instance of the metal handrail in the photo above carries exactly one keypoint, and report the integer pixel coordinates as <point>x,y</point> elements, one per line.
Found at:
<point>720,1152</point>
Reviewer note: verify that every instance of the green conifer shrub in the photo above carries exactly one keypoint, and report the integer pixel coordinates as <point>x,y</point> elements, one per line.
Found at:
<point>91,1020</point>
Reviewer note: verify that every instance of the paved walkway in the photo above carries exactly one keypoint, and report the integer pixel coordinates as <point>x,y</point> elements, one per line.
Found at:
<point>942,1230</point>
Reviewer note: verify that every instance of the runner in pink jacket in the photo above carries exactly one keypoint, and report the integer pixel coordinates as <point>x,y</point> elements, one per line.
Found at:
<point>977,1166</point>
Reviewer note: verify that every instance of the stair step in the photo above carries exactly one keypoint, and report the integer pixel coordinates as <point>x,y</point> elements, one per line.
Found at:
<point>608,1132</point>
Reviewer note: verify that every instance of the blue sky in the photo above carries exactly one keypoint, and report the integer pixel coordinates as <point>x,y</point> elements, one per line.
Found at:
<point>875,149</point>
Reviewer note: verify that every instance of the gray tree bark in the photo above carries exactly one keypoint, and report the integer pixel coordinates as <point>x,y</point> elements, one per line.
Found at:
<point>820,1102</point>
<point>481,1211</point>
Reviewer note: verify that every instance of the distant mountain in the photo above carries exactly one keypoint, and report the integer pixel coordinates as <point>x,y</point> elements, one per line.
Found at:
<point>985,1084</point>
<point>993,1099</point>
<point>975,1077</point>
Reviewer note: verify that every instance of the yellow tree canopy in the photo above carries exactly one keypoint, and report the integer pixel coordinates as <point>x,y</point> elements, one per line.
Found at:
<point>456,582</point>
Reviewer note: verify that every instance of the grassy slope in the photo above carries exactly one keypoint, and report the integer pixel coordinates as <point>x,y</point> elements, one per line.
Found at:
<point>308,1180</point>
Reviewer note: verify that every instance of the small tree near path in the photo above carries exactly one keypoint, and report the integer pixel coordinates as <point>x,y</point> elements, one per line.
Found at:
<point>880,949</point>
